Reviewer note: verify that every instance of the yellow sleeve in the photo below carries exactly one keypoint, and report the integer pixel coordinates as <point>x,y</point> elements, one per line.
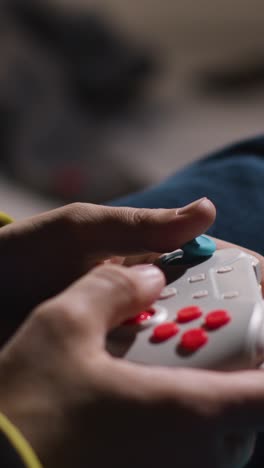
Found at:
<point>19,443</point>
<point>5,219</point>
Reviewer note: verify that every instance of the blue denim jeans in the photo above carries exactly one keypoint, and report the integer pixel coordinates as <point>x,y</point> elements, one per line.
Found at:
<point>233,178</point>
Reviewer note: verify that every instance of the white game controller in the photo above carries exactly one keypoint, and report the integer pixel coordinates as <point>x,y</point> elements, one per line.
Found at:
<point>210,315</point>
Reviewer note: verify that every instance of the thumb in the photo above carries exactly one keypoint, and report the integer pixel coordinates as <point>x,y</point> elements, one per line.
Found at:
<point>123,230</point>
<point>106,297</point>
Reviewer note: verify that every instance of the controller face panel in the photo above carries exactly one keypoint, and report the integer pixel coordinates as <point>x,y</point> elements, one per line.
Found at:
<point>210,316</point>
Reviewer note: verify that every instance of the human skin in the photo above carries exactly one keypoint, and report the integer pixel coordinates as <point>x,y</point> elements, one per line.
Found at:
<point>77,405</point>
<point>41,256</point>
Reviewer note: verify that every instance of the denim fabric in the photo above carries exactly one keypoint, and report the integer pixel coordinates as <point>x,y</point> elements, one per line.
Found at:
<point>232,178</point>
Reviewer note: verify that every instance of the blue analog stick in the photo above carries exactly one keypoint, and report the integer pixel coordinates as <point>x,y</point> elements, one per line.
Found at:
<point>200,247</point>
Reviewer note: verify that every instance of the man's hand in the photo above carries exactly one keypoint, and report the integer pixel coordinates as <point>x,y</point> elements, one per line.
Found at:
<point>78,406</point>
<point>43,255</point>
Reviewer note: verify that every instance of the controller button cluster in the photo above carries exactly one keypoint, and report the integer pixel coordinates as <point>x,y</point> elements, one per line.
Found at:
<point>188,314</point>
<point>194,339</point>
<point>165,331</point>
<point>217,319</point>
<point>191,340</point>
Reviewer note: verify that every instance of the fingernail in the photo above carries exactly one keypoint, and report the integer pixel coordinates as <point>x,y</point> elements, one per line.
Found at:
<point>150,274</point>
<point>192,206</point>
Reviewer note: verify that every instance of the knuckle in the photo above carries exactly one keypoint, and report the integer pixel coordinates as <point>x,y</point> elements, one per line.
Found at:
<point>139,217</point>
<point>66,312</point>
<point>45,320</point>
<point>59,316</point>
<point>78,215</point>
<point>146,217</point>
<point>77,211</point>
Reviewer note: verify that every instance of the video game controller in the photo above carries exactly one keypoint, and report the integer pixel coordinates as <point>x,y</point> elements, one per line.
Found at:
<point>210,315</point>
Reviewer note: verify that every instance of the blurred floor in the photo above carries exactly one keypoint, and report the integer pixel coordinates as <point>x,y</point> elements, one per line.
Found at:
<point>182,120</point>
<point>21,203</point>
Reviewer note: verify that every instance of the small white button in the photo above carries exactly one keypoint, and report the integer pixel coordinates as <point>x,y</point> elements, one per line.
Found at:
<point>200,294</point>
<point>168,292</point>
<point>230,295</point>
<point>225,269</point>
<point>197,278</point>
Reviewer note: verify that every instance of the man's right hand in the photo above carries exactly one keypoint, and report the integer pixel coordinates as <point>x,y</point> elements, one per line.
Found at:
<point>78,406</point>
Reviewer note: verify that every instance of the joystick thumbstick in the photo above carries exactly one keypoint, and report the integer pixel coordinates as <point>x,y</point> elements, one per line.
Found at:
<point>197,249</point>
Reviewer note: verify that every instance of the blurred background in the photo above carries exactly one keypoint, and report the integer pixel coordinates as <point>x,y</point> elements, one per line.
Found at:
<point>101,98</point>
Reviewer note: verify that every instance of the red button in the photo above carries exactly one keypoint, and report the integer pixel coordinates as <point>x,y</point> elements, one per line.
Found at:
<point>188,314</point>
<point>165,331</point>
<point>194,339</point>
<point>217,319</point>
<point>142,317</point>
